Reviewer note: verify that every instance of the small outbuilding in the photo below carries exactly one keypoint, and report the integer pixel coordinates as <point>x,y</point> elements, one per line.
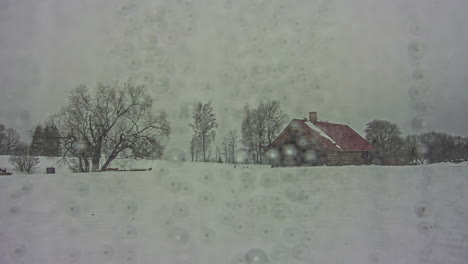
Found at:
<point>310,143</point>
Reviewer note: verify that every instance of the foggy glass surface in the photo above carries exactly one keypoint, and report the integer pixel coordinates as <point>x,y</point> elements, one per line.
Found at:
<point>351,62</point>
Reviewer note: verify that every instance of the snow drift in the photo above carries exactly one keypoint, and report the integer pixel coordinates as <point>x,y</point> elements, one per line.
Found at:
<point>215,213</point>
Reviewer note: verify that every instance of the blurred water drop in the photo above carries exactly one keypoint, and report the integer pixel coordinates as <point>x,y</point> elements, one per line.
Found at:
<point>289,177</point>
<point>422,149</point>
<point>248,179</point>
<point>129,232</point>
<point>256,256</point>
<point>294,235</point>
<point>74,256</point>
<point>280,253</point>
<point>107,251</point>
<point>289,151</point>
<point>180,210</point>
<point>273,154</point>
<point>206,198</point>
<point>280,211</point>
<point>240,158</point>
<point>268,180</point>
<point>415,50</point>
<point>418,123</point>
<point>310,156</point>
<point>207,235</point>
<point>129,207</point>
<point>19,252</point>
<point>266,232</point>
<point>239,259</point>
<point>72,209</point>
<point>422,209</point>
<point>206,178</point>
<point>301,252</point>
<point>82,188</point>
<point>179,237</point>
<point>417,75</point>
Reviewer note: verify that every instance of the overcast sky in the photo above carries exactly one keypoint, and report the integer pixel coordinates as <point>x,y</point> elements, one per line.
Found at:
<point>351,61</point>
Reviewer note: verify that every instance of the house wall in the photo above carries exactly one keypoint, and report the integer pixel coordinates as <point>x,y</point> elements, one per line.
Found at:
<point>337,158</point>
<point>304,143</point>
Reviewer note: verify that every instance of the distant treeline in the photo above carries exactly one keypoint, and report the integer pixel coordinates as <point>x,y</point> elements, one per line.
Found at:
<point>391,148</point>
<point>45,141</point>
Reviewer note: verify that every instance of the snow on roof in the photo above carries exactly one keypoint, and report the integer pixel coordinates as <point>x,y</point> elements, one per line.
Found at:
<point>320,132</point>
<point>335,137</point>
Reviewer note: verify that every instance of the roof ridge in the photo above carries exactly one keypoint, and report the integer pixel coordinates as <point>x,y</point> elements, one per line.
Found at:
<point>331,123</point>
<point>306,120</point>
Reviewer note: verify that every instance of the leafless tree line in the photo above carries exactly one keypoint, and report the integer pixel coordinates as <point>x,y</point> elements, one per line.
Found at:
<point>391,148</point>
<point>10,139</point>
<point>203,126</point>
<point>230,146</point>
<point>260,127</point>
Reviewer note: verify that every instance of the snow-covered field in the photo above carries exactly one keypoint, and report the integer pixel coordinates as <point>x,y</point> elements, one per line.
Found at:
<point>215,213</point>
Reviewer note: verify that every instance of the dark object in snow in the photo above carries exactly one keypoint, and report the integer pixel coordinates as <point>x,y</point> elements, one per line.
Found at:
<point>139,169</point>
<point>110,169</point>
<point>50,170</point>
<point>115,169</point>
<point>4,172</point>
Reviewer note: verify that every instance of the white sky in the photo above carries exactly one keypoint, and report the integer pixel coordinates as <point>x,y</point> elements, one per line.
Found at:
<point>351,61</point>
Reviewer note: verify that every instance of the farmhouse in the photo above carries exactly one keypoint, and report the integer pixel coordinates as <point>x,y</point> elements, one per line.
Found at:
<point>310,142</point>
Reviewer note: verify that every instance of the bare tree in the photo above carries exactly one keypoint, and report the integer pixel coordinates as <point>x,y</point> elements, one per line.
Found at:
<point>441,147</point>
<point>115,119</point>
<point>416,151</point>
<point>11,140</point>
<point>461,148</point>
<point>248,140</point>
<point>274,118</point>
<point>203,128</point>
<point>229,146</point>
<point>193,149</point>
<point>2,138</point>
<point>260,127</point>
<point>23,160</point>
<point>259,132</point>
<point>386,139</point>
<point>233,139</point>
<point>225,148</point>
<point>218,155</point>
<point>208,155</point>
<point>196,149</point>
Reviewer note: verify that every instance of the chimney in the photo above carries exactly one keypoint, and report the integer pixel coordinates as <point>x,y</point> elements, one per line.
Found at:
<point>313,116</point>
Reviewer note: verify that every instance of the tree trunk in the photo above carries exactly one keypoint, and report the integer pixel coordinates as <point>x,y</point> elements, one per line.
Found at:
<point>109,160</point>
<point>204,149</point>
<point>96,155</point>
<point>232,156</point>
<point>191,151</point>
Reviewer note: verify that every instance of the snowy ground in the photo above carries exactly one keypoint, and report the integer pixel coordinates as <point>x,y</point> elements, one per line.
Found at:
<point>213,213</point>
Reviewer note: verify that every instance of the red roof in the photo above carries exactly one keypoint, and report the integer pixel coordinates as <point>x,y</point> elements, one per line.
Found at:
<point>344,137</point>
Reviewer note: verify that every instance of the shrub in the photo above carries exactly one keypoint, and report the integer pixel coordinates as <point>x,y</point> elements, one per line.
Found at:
<point>23,160</point>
